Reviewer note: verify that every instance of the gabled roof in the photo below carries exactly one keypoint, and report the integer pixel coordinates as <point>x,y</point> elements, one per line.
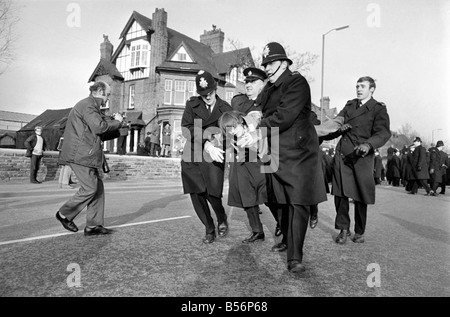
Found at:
<point>105,67</point>
<point>143,21</point>
<point>16,116</point>
<point>49,119</point>
<point>203,56</point>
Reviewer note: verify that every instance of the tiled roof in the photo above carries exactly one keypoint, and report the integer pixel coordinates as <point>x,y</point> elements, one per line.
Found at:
<point>49,119</point>
<point>226,60</point>
<point>105,67</point>
<point>16,116</point>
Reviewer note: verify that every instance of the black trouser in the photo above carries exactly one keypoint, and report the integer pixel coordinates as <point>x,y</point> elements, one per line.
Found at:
<point>34,166</point>
<point>444,183</point>
<point>342,220</point>
<point>200,203</point>
<point>280,213</point>
<point>418,182</point>
<point>253,219</point>
<point>298,216</point>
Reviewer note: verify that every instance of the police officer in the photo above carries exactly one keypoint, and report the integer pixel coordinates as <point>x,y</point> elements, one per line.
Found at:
<point>202,166</point>
<point>365,128</point>
<point>296,180</point>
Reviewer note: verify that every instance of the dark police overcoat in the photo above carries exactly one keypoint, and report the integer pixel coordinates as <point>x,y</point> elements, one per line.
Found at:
<point>199,174</point>
<point>419,163</point>
<point>370,124</point>
<point>297,177</point>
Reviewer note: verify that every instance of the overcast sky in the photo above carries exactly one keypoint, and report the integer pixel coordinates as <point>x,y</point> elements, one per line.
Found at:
<point>403,44</point>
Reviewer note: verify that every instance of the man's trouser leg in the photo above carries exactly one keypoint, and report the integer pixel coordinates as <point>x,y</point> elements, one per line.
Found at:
<point>298,224</point>
<point>253,219</point>
<point>34,166</point>
<point>360,217</point>
<point>91,195</point>
<point>342,221</point>
<point>203,212</point>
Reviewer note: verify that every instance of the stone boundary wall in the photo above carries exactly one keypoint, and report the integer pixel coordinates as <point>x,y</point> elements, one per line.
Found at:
<point>15,167</point>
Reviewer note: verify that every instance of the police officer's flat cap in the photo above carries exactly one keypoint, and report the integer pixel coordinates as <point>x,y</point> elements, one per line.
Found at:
<point>205,83</point>
<point>274,52</point>
<point>253,73</point>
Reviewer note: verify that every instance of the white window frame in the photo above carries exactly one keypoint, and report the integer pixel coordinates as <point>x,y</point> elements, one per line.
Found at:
<point>179,90</point>
<point>191,89</point>
<point>131,96</point>
<point>168,84</point>
<point>229,95</point>
<point>139,55</point>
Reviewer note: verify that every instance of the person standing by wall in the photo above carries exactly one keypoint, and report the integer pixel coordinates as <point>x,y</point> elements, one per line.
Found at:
<point>154,140</point>
<point>202,166</point>
<point>86,128</point>
<point>166,133</point>
<point>35,145</point>
<point>296,181</point>
<point>65,173</point>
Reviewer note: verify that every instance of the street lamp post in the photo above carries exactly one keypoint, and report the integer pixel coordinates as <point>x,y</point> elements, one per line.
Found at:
<point>432,135</point>
<point>323,61</point>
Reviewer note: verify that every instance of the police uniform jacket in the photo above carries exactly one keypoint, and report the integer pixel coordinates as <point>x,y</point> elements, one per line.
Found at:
<point>85,130</point>
<point>370,124</point>
<point>378,166</point>
<point>199,173</point>
<point>297,176</point>
<point>419,163</point>
<point>247,185</point>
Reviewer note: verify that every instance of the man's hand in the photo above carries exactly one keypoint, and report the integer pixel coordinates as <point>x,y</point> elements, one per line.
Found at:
<point>345,127</point>
<point>362,149</point>
<point>118,117</point>
<point>215,153</point>
<point>246,140</point>
<point>431,170</point>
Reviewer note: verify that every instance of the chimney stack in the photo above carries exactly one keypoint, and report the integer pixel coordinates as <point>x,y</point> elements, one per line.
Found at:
<point>213,39</point>
<point>106,49</point>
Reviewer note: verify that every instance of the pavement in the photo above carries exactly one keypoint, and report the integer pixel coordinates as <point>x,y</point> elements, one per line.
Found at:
<point>156,248</point>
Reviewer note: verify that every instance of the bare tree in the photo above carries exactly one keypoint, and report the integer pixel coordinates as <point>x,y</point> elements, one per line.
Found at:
<point>407,130</point>
<point>8,20</point>
<point>301,62</point>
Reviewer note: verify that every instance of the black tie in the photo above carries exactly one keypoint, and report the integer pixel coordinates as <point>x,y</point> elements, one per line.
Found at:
<point>358,104</point>
<point>209,109</point>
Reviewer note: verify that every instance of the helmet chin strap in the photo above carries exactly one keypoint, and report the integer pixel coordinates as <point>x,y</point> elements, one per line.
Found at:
<point>276,70</point>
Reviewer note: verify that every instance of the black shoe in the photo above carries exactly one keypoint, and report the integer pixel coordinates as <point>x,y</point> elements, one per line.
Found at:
<point>223,229</point>
<point>313,222</point>
<point>35,182</point>
<point>67,224</point>
<point>358,238</point>
<point>277,231</point>
<point>342,236</point>
<point>209,238</point>
<point>96,231</point>
<point>279,247</point>
<point>254,237</point>
<point>295,266</point>
<point>430,193</point>
<point>411,193</point>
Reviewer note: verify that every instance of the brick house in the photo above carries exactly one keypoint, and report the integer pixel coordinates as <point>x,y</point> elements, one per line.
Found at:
<point>152,73</point>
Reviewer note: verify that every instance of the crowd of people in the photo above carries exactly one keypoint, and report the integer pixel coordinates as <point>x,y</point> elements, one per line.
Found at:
<point>415,167</point>
<point>271,139</point>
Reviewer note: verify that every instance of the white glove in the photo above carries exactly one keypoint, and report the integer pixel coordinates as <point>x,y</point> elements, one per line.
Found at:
<point>215,153</point>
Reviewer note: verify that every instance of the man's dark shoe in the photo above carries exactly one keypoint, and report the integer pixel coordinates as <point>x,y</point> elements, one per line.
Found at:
<point>411,193</point>
<point>342,236</point>
<point>313,221</point>
<point>430,193</point>
<point>209,238</point>
<point>223,229</point>
<point>358,238</point>
<point>67,224</point>
<point>279,247</point>
<point>35,182</point>
<point>277,231</point>
<point>295,266</point>
<point>254,237</point>
<point>96,231</point>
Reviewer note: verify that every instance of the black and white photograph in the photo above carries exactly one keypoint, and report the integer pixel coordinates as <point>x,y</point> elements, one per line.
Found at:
<point>224,156</point>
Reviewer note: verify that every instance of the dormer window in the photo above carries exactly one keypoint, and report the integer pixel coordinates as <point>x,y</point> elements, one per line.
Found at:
<point>181,57</point>
<point>139,55</point>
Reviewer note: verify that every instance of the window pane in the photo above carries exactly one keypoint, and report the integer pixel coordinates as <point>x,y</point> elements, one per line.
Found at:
<point>168,92</point>
<point>131,100</point>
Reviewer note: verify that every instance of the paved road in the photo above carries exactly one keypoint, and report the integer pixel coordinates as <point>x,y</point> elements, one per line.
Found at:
<point>156,249</point>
